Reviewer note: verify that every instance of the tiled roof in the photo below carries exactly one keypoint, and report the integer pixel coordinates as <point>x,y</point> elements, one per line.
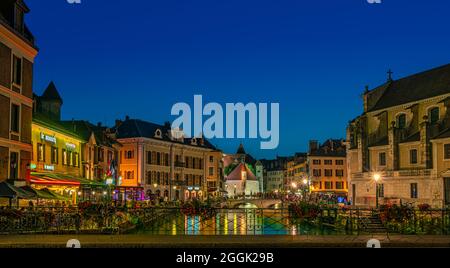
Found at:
<point>43,120</point>
<point>416,87</point>
<point>412,138</point>
<point>331,147</point>
<point>135,128</point>
<point>236,174</point>
<point>381,142</point>
<point>86,129</point>
<point>444,134</point>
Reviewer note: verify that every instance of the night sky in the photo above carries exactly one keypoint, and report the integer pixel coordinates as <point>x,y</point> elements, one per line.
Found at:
<point>115,58</point>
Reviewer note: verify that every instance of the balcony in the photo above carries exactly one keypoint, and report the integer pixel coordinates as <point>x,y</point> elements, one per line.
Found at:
<point>394,174</point>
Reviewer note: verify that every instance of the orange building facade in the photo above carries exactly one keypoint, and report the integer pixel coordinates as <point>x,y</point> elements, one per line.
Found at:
<point>327,167</point>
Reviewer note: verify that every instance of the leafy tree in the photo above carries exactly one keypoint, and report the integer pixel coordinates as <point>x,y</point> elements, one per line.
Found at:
<point>229,169</point>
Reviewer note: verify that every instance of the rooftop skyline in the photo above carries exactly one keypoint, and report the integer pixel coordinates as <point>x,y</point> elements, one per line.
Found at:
<point>313,57</point>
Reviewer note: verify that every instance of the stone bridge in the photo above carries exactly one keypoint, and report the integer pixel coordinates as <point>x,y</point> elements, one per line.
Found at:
<point>257,203</point>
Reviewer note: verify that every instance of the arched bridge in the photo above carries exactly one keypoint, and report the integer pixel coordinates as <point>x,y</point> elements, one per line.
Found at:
<point>257,203</point>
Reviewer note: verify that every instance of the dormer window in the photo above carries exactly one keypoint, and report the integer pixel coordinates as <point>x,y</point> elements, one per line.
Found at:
<point>158,134</point>
<point>401,121</point>
<point>433,115</point>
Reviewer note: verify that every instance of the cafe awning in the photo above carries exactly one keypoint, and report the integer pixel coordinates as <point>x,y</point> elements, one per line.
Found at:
<point>9,191</point>
<point>56,196</point>
<point>61,179</point>
<point>38,193</point>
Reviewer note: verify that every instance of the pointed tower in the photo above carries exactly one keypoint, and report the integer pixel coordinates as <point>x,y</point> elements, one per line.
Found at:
<point>50,102</point>
<point>240,154</point>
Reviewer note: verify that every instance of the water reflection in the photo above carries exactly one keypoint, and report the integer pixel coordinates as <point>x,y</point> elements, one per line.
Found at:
<point>236,222</point>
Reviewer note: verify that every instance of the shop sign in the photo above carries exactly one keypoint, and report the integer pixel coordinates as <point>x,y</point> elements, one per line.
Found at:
<point>48,138</point>
<point>49,167</point>
<point>70,146</point>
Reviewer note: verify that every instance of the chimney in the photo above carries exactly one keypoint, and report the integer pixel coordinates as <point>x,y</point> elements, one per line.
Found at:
<point>313,145</point>
<point>99,124</point>
<point>127,118</point>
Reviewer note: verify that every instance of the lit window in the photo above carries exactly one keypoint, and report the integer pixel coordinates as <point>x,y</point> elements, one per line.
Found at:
<point>64,157</point>
<point>41,152</point>
<point>54,153</point>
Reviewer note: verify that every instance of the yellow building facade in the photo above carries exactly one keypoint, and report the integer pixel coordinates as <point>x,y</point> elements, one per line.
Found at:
<point>55,163</point>
<point>401,137</point>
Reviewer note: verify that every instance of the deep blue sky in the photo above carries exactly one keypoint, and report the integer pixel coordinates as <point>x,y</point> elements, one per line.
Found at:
<point>115,58</point>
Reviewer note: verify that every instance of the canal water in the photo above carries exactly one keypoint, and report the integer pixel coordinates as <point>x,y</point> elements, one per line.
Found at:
<point>245,220</point>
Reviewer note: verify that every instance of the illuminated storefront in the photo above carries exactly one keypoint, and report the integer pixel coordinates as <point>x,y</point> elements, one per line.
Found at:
<point>56,162</point>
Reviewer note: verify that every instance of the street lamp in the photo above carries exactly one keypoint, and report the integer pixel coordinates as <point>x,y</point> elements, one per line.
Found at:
<point>376,178</point>
<point>294,185</point>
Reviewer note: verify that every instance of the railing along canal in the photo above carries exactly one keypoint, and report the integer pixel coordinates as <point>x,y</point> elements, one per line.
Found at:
<point>217,221</point>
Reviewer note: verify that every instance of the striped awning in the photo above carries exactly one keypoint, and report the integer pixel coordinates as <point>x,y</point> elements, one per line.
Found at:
<point>61,179</point>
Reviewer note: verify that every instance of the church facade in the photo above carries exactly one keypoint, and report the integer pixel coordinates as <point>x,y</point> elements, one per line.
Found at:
<point>243,174</point>
<point>399,148</point>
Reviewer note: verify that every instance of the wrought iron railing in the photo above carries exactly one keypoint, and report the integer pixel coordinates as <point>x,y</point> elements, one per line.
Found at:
<point>217,221</point>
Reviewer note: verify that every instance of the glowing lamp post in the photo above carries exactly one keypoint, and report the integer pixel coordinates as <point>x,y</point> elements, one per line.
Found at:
<point>376,178</point>
<point>294,186</point>
<point>305,188</point>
